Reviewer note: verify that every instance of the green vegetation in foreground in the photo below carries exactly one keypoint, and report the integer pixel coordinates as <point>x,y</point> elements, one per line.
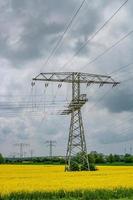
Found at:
<point>99,194</point>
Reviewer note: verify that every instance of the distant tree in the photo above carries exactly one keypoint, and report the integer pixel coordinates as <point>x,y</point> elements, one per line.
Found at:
<point>100,158</point>
<point>1,159</point>
<point>110,158</point>
<point>128,158</point>
<point>117,158</point>
<point>97,157</point>
<point>91,158</point>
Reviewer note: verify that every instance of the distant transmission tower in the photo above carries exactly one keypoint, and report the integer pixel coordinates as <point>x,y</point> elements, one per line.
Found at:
<point>31,153</point>
<point>125,150</point>
<point>21,146</point>
<point>76,141</point>
<point>130,149</point>
<point>50,144</point>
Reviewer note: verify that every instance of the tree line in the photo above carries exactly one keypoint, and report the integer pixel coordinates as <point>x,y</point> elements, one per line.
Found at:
<point>94,157</point>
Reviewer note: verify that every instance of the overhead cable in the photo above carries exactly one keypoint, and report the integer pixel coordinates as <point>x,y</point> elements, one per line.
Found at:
<point>108,49</point>
<point>94,35</point>
<point>63,34</point>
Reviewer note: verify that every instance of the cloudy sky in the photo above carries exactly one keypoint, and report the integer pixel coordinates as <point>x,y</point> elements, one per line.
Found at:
<point>29,31</point>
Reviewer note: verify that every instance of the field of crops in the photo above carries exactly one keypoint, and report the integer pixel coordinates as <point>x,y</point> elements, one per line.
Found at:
<point>31,178</point>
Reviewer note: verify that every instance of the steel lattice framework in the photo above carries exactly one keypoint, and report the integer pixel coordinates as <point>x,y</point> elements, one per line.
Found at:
<point>50,144</point>
<point>21,146</point>
<point>76,140</point>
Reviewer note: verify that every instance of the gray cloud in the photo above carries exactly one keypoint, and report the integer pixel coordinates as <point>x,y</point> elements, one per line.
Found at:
<point>119,100</point>
<point>113,137</point>
<point>4,134</point>
<point>28,32</point>
<point>36,27</point>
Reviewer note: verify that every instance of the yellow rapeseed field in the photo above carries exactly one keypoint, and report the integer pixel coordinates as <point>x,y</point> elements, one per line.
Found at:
<point>14,178</point>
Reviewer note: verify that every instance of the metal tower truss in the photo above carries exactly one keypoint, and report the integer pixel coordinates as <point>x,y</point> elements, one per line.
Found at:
<point>21,146</point>
<point>76,141</point>
<point>50,144</point>
<point>81,77</point>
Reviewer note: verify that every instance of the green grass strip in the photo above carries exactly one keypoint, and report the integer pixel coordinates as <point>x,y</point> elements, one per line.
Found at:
<point>99,194</point>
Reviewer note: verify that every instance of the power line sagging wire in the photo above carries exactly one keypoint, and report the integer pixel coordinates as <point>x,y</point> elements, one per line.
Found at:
<point>107,92</point>
<point>108,49</point>
<point>94,35</point>
<point>121,68</point>
<point>64,33</point>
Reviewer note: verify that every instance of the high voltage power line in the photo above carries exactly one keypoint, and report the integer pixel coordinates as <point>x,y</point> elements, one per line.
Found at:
<point>48,102</point>
<point>65,31</point>
<point>107,92</point>
<point>121,68</point>
<point>13,105</point>
<point>94,35</point>
<point>108,49</point>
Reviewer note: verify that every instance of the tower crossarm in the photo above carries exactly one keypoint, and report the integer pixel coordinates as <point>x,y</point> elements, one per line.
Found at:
<point>81,77</point>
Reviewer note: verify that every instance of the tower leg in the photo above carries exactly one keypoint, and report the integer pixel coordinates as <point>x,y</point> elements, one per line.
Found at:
<point>76,144</point>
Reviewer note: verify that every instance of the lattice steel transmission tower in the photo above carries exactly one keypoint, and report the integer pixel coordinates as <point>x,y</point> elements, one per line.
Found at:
<point>76,140</point>
<point>31,153</point>
<point>21,146</point>
<point>50,144</point>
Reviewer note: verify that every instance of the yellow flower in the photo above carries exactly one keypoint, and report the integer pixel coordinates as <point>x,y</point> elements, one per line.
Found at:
<point>14,178</point>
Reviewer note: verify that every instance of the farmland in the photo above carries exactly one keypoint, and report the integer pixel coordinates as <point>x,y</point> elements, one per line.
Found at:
<point>39,179</point>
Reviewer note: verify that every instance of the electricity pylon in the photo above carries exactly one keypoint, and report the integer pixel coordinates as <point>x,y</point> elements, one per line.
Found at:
<point>50,144</point>
<point>31,153</point>
<point>130,149</point>
<point>21,146</point>
<point>76,140</point>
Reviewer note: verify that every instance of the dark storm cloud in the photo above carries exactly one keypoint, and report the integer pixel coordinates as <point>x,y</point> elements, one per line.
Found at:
<point>87,23</point>
<point>40,22</point>
<point>115,137</point>
<point>119,100</point>
<point>36,35</point>
<point>38,25</point>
